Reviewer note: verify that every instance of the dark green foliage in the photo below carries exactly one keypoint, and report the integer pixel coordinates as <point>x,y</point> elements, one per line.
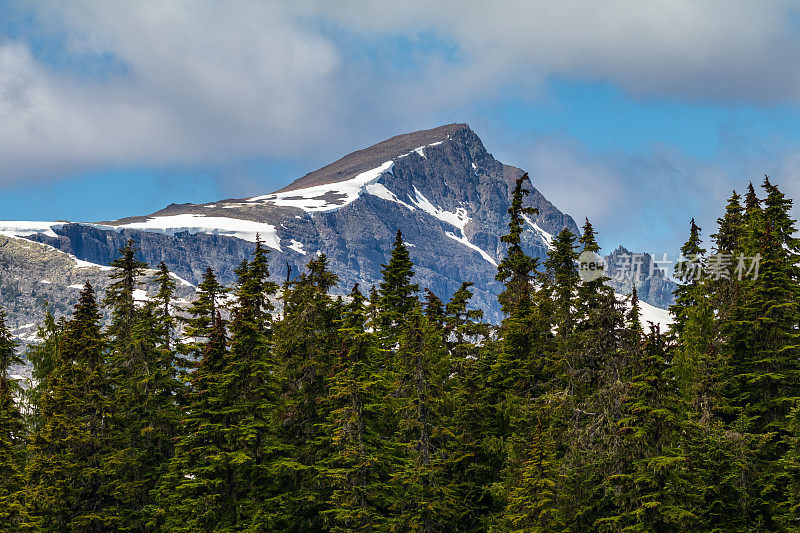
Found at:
<point>44,358</point>
<point>397,293</point>
<point>562,281</point>
<point>67,484</point>
<point>307,342</point>
<point>427,503</point>
<point>362,455</point>
<point>143,380</point>
<point>12,432</point>
<point>516,269</point>
<point>388,413</point>
<point>193,494</point>
<point>653,492</point>
<point>533,501</point>
<point>730,226</point>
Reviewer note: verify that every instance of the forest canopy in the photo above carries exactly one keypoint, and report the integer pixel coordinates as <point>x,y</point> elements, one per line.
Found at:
<point>267,407</point>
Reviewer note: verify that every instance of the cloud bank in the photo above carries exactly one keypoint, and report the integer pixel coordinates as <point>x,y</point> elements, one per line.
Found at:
<point>88,84</point>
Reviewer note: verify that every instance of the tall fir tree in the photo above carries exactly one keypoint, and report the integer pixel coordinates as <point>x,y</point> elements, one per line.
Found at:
<point>422,364</point>
<point>250,393</point>
<point>475,457</point>
<point>729,232</point>
<point>306,342</point>
<point>519,367</point>
<point>516,269</point>
<point>12,435</point>
<point>397,293</point>
<point>653,493</point>
<point>44,357</point>
<point>359,429</point>
<point>193,494</point>
<point>144,417</point>
<point>562,275</point>
<point>68,487</point>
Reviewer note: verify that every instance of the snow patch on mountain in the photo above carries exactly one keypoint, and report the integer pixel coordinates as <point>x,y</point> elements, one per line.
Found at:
<point>419,150</point>
<point>656,315</point>
<point>297,246</point>
<point>379,190</point>
<point>465,242</point>
<point>80,263</point>
<point>194,223</point>
<point>328,197</point>
<point>458,219</point>
<point>649,314</point>
<point>26,228</point>
<point>180,280</point>
<point>547,238</point>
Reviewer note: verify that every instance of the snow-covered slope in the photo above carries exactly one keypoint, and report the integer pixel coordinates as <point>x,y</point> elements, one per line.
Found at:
<point>326,197</point>
<point>650,315</point>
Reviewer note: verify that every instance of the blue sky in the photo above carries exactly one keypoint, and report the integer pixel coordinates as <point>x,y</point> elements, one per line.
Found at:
<point>637,115</point>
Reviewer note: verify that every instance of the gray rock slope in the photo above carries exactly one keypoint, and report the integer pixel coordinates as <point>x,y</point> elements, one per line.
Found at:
<point>440,187</point>
<point>36,278</point>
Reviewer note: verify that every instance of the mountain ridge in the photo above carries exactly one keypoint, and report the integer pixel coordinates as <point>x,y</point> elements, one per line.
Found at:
<point>448,195</point>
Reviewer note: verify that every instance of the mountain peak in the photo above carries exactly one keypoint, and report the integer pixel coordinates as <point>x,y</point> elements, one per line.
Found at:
<point>368,158</point>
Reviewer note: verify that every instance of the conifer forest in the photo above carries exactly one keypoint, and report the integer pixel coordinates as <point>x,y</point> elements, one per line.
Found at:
<point>267,406</point>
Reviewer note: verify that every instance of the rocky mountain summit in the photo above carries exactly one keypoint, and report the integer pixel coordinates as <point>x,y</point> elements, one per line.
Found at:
<point>440,187</point>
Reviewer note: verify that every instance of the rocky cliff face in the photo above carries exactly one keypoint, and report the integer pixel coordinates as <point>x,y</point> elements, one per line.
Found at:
<point>440,187</point>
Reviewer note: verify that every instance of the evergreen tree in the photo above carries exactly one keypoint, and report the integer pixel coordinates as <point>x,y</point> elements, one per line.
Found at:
<point>397,293</point>
<point>699,365</point>
<point>464,329</point>
<point>12,433</point>
<point>562,275</point>
<point>520,366</point>
<point>428,502</point>
<point>689,272</point>
<point>654,494</point>
<point>597,319</point>
<point>44,357</point>
<point>730,226</point>
<point>359,429</point>
<point>752,223</point>
<point>475,456</point>
<point>517,268</point>
<point>164,306</point>
<point>193,494</point>
<point>763,337</point>
<point>587,394</point>
<point>250,392</point>
<point>126,271</point>
<point>533,502</point>
<point>307,340</point>
<point>67,487</point>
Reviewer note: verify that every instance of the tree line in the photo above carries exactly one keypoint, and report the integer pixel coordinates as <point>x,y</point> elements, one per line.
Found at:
<point>392,410</point>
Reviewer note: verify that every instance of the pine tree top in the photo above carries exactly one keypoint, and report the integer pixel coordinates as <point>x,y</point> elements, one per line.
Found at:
<point>588,239</point>
<point>729,226</point>
<point>517,268</point>
<point>8,348</point>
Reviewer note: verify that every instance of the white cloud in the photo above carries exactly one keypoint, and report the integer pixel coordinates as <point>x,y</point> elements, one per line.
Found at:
<point>202,82</point>
<point>720,49</point>
<point>207,82</point>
